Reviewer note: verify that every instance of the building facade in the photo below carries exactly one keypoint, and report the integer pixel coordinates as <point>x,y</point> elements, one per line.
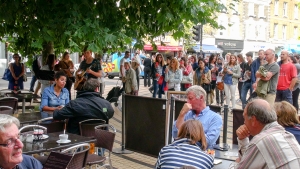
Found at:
<point>284,25</point>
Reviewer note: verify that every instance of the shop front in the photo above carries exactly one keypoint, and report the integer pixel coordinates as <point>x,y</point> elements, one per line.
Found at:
<point>230,46</point>
<point>254,47</point>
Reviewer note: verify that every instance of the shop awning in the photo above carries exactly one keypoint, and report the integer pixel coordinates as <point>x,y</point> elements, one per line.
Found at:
<point>207,49</point>
<point>163,48</point>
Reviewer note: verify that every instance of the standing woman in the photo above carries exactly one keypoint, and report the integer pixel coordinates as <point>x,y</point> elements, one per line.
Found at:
<point>17,72</point>
<point>67,66</point>
<point>214,70</point>
<point>202,77</point>
<point>49,66</point>
<point>242,64</point>
<point>193,61</point>
<point>296,89</point>
<point>173,76</point>
<point>231,73</point>
<point>186,68</point>
<point>55,96</point>
<point>158,71</point>
<point>131,85</point>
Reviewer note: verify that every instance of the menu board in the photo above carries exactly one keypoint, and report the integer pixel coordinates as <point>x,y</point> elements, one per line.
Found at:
<point>57,160</point>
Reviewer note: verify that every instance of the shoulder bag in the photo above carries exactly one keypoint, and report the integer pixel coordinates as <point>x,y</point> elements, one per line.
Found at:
<point>187,79</point>
<point>7,75</point>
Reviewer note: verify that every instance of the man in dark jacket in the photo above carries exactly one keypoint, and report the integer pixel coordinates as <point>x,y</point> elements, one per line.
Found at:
<point>87,105</point>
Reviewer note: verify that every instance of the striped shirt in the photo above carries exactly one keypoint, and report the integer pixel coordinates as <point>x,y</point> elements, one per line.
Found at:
<point>182,153</point>
<point>272,148</point>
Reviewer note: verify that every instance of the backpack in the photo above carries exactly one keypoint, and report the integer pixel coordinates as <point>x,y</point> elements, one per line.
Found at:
<point>35,66</point>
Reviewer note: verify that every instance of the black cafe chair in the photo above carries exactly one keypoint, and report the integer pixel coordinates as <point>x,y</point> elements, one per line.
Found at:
<point>11,102</point>
<point>52,125</point>
<point>6,110</point>
<point>87,127</point>
<point>105,136</point>
<point>79,153</point>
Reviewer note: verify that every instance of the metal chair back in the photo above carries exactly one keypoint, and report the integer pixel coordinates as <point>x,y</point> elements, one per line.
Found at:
<point>11,102</point>
<point>30,128</point>
<point>80,153</point>
<point>52,126</point>
<point>6,110</point>
<point>87,127</point>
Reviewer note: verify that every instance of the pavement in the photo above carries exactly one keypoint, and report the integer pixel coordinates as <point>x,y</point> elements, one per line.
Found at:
<point>134,160</point>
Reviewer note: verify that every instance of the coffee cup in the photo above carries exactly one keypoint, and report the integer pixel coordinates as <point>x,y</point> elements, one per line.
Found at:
<point>63,137</point>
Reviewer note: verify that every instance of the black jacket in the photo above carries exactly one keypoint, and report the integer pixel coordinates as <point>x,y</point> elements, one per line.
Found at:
<point>87,105</point>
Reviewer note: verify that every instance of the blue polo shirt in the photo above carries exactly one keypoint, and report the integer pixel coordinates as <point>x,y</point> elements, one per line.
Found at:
<point>211,122</point>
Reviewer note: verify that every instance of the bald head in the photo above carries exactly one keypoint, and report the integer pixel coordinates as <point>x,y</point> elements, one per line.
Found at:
<point>284,56</point>
<point>262,110</point>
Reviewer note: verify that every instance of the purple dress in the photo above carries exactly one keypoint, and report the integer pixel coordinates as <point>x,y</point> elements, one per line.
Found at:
<point>17,71</point>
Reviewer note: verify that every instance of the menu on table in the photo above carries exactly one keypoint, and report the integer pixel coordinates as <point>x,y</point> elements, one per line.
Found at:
<point>57,160</point>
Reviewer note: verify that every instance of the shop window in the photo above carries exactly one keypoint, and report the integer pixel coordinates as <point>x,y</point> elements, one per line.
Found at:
<point>296,33</point>
<point>261,11</point>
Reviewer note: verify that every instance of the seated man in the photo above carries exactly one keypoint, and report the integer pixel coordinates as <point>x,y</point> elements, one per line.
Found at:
<point>87,105</point>
<point>11,146</point>
<point>271,146</point>
<point>196,108</point>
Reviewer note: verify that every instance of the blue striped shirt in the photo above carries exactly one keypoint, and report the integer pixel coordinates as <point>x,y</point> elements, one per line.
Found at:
<point>182,153</point>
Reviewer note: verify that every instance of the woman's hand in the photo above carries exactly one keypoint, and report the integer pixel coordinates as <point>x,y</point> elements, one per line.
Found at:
<point>166,70</point>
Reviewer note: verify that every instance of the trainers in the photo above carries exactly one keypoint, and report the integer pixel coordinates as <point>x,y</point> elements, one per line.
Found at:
<point>151,91</point>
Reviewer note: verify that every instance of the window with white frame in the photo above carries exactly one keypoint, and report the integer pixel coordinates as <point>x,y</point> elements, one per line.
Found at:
<point>251,31</point>
<point>224,2</point>
<point>296,33</point>
<point>261,11</point>
<point>251,9</point>
<point>284,32</point>
<point>285,9</point>
<point>223,21</point>
<point>275,31</point>
<point>296,12</point>
<point>261,32</point>
<point>235,7</point>
<point>235,28</point>
<point>276,7</point>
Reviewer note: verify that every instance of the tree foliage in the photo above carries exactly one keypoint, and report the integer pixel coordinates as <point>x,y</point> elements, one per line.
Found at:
<point>101,24</point>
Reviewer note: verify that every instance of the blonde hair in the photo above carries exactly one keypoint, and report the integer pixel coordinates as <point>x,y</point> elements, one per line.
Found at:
<point>286,114</point>
<point>176,66</point>
<point>193,130</point>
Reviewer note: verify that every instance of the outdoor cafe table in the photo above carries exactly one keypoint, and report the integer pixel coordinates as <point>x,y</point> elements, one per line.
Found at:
<point>231,154</point>
<point>223,165</point>
<point>26,118</point>
<point>23,96</point>
<point>50,143</point>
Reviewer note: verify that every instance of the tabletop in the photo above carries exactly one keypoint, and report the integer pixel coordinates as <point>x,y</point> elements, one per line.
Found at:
<point>23,95</point>
<point>28,117</point>
<point>231,154</point>
<point>223,165</point>
<point>50,143</point>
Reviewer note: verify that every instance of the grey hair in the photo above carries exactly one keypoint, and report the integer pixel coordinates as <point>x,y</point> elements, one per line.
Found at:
<point>198,91</point>
<point>8,120</point>
<point>272,51</point>
<point>264,114</point>
<point>127,63</point>
<point>91,84</point>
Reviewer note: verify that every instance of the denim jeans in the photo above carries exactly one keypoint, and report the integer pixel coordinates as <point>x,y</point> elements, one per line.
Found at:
<point>33,80</point>
<point>157,87</point>
<point>147,72</point>
<point>284,95</point>
<point>245,88</point>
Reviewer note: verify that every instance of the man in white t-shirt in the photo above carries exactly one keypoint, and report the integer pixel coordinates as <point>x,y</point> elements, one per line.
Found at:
<point>122,69</point>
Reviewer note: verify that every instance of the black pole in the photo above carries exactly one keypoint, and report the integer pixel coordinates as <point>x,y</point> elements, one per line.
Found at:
<point>224,146</point>
<point>122,150</point>
<point>171,119</point>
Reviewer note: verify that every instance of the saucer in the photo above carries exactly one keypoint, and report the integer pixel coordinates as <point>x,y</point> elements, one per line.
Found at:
<point>63,142</point>
<point>45,136</point>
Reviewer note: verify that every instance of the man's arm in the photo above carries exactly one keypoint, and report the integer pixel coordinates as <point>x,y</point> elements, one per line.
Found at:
<point>65,113</point>
<point>180,120</point>
<point>213,131</point>
<point>294,81</point>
